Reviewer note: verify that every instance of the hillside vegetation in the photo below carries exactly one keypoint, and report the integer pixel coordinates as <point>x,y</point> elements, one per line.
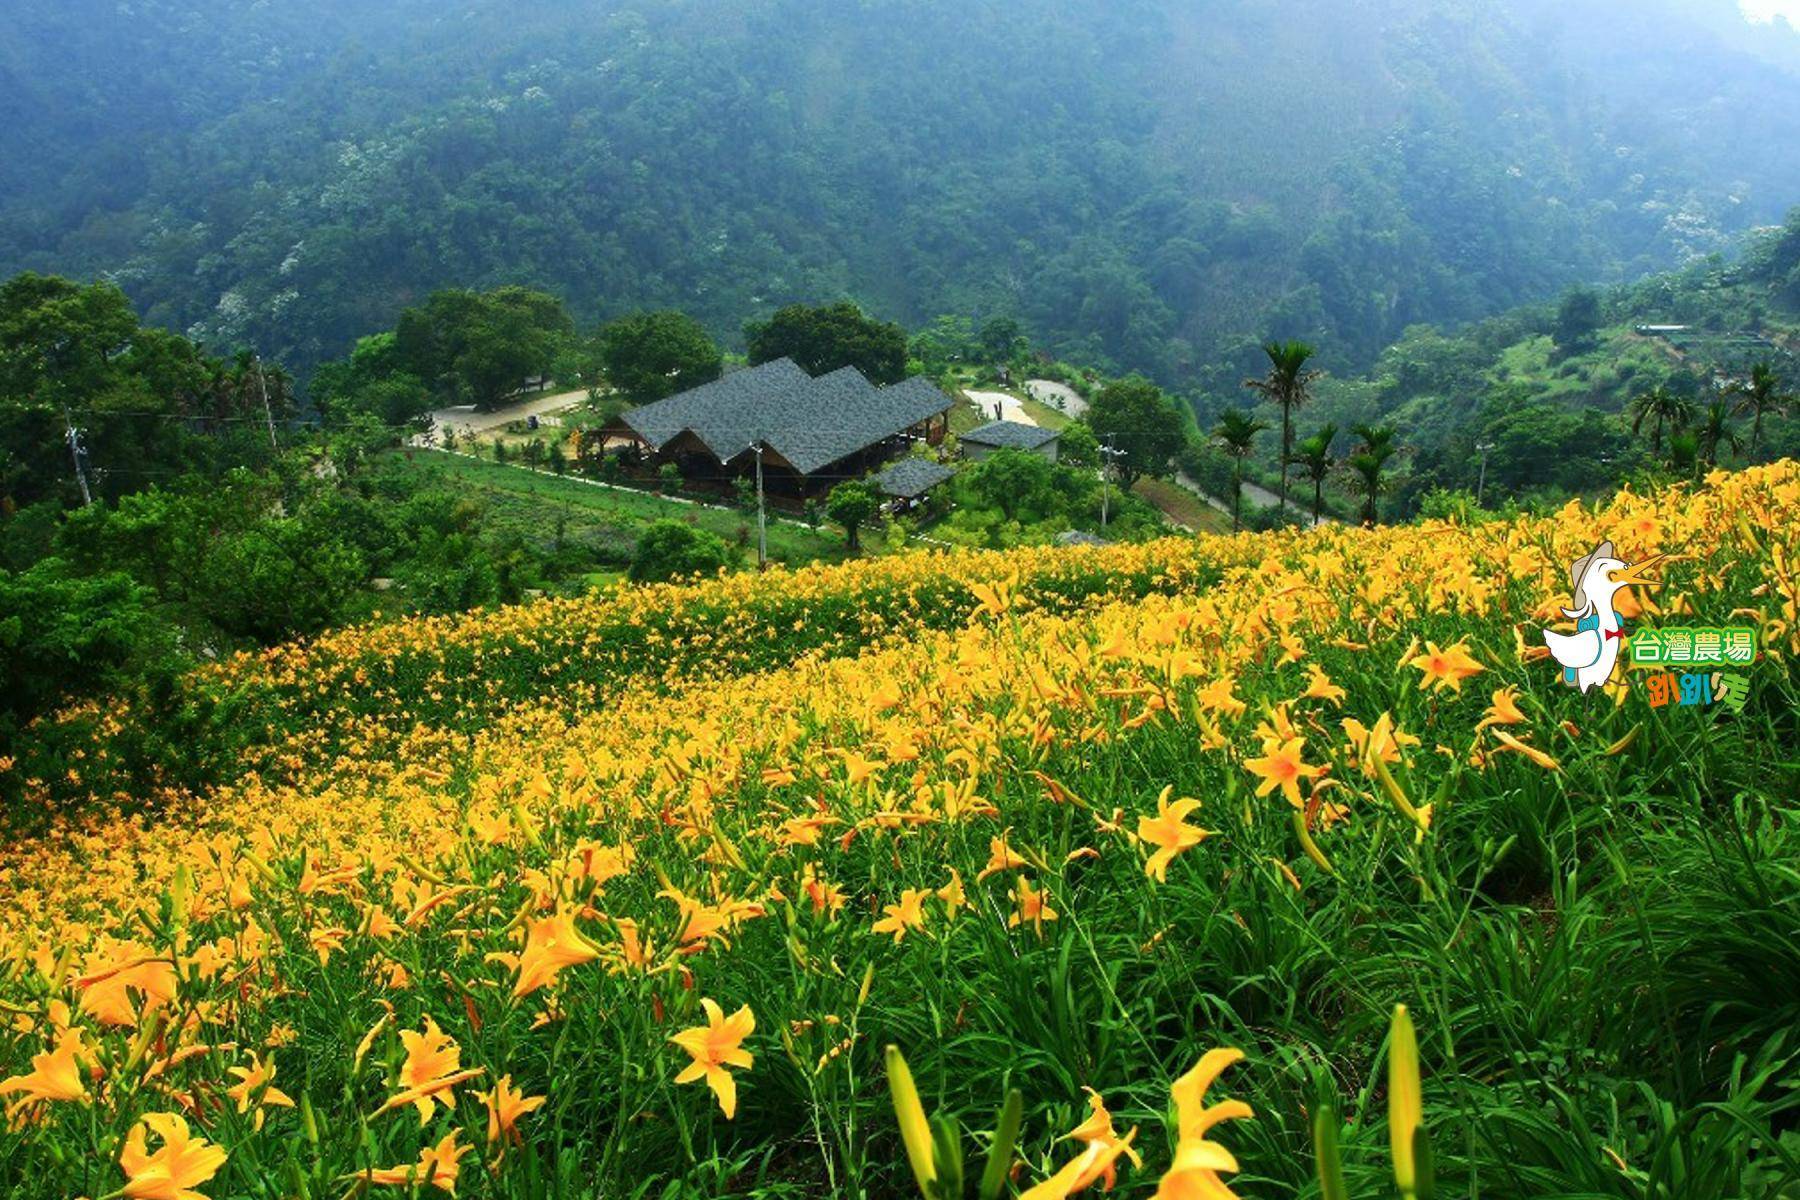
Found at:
<point>625,895</point>
<point>1550,388</point>
<point>1147,184</point>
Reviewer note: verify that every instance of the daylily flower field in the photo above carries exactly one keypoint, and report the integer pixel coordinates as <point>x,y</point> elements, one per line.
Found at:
<point>628,896</point>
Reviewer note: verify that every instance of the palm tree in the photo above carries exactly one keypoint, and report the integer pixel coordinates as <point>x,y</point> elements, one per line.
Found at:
<point>1236,433</point>
<point>1287,384</point>
<point>1369,460</point>
<point>1716,431</point>
<point>1761,395</point>
<point>1660,406</point>
<point>1313,457</point>
<point>1684,451</point>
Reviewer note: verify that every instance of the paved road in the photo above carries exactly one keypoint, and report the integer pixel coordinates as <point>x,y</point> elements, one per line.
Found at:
<point>1254,497</point>
<point>465,420</point>
<point>1263,497</point>
<point>1059,396</point>
<point>1010,408</point>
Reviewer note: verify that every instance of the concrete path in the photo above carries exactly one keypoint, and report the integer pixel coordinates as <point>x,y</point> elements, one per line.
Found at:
<point>1010,408</point>
<point>1059,396</point>
<point>465,420</point>
<point>1254,497</point>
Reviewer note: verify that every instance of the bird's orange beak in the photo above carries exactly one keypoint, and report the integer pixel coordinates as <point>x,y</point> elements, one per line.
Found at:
<point>1634,574</point>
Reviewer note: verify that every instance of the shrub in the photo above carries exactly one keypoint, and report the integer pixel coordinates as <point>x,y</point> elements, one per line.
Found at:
<point>672,549</point>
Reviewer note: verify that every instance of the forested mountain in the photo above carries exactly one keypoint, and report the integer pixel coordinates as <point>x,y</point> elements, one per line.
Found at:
<point>1146,184</point>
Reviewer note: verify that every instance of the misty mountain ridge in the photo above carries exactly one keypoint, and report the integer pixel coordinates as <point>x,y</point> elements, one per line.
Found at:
<point>1145,184</point>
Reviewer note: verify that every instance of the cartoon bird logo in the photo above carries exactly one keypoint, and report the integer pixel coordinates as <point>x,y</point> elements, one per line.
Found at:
<point>1589,654</point>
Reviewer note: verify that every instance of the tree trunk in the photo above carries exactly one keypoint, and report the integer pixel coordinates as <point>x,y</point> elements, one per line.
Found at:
<point>1287,449</point>
<point>1237,493</point>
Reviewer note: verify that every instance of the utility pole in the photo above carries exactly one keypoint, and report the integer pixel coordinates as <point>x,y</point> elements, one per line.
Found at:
<point>762,521</point>
<point>1481,480</point>
<point>268,413</point>
<point>78,455</point>
<point>1106,454</point>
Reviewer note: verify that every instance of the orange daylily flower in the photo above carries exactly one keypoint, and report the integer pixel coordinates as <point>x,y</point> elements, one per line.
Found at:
<point>1169,832</point>
<point>908,914</point>
<point>713,1047</point>
<point>995,598</point>
<point>1000,858</point>
<point>505,1105</point>
<point>1509,742</point>
<point>1320,687</point>
<point>116,977</point>
<point>1034,909</point>
<point>1382,743</point>
<point>1281,766</point>
<point>182,1163</point>
<point>1504,710</point>
<point>438,1165</point>
<point>1098,1130</point>
<point>255,1086</point>
<point>1097,1161</point>
<point>1217,697</point>
<point>1198,1162</point>
<point>952,894</point>
<point>1446,668</point>
<point>55,1075</point>
<point>552,944</point>
<point>433,1066</point>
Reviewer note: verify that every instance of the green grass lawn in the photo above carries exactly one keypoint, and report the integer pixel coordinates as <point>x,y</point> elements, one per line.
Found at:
<point>966,416</point>
<point>1043,414</point>
<point>532,503</point>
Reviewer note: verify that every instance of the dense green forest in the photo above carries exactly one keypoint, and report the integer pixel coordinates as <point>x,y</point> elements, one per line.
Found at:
<point>1581,393</point>
<point>1144,184</point>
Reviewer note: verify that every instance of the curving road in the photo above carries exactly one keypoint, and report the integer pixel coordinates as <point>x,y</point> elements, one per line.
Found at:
<point>1059,396</point>
<point>1009,408</point>
<point>465,419</point>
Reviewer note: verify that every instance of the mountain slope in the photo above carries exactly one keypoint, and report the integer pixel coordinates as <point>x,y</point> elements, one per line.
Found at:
<point>1146,184</point>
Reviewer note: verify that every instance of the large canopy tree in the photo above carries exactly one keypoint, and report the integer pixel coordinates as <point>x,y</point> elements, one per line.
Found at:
<point>822,339</point>
<point>142,403</point>
<point>480,347</point>
<point>1139,428</point>
<point>649,355</point>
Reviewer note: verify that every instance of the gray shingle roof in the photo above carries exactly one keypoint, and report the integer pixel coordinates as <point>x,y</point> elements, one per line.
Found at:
<point>811,423</point>
<point>912,477</point>
<point>721,413</point>
<point>1010,435</point>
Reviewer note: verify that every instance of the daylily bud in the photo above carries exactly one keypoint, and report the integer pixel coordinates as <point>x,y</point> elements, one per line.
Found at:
<point>1405,1105</point>
<point>915,1130</point>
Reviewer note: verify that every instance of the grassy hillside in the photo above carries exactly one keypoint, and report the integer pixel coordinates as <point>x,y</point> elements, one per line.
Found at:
<point>1048,820</point>
<point>540,505</point>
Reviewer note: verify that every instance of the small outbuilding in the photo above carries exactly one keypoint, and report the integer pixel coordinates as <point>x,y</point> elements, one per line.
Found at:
<point>911,478</point>
<point>980,442</point>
